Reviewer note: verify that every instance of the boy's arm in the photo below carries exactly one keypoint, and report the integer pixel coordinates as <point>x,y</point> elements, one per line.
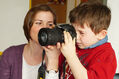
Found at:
<point>77,68</point>
<point>105,69</point>
<point>69,51</point>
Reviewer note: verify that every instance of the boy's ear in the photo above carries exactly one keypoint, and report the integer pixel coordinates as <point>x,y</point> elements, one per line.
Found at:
<point>102,34</point>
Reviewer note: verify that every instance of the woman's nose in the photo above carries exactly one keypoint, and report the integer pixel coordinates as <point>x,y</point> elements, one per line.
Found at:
<point>45,25</point>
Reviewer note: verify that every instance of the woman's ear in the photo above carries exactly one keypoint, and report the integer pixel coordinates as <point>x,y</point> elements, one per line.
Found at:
<point>102,34</point>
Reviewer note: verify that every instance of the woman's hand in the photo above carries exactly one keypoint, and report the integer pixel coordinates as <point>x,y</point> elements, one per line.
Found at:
<point>52,51</point>
<point>52,55</point>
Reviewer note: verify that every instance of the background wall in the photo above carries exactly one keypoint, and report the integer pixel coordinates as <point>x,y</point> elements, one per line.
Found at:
<point>113,32</point>
<point>12,13</point>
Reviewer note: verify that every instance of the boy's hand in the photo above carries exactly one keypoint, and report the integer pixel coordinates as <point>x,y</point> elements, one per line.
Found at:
<point>68,47</point>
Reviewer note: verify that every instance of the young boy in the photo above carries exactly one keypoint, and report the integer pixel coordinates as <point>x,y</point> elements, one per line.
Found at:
<point>94,57</point>
<point>89,56</point>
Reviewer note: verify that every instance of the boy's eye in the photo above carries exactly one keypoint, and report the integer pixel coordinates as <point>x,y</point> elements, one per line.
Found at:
<point>81,33</point>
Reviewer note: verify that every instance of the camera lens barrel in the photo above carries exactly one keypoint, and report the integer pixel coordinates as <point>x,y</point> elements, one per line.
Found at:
<point>50,36</point>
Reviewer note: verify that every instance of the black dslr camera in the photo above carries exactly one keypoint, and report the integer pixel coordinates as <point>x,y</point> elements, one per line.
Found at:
<point>50,36</point>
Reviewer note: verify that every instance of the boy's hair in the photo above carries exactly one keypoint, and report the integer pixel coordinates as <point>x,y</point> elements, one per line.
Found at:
<point>96,15</point>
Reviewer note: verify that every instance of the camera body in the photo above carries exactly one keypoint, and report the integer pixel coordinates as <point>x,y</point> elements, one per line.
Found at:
<point>50,36</point>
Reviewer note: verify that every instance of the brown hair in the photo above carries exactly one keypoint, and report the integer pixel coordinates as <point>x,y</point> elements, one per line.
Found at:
<point>28,21</point>
<point>97,15</point>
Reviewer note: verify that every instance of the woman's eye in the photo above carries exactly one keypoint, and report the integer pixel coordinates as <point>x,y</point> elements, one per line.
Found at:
<point>39,23</point>
<point>51,25</point>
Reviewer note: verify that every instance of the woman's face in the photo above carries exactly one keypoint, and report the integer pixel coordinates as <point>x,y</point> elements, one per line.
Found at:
<point>43,19</point>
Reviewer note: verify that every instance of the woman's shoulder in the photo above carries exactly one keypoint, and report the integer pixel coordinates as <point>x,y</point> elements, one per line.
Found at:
<point>12,54</point>
<point>12,50</point>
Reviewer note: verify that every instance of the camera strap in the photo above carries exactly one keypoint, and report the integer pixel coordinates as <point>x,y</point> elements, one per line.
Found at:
<point>43,55</point>
<point>64,70</point>
<point>42,68</point>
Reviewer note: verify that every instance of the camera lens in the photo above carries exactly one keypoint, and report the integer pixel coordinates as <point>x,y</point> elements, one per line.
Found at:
<point>44,37</point>
<point>48,36</point>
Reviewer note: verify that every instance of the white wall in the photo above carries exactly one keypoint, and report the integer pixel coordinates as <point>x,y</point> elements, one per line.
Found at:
<point>70,5</point>
<point>12,13</point>
<point>113,31</point>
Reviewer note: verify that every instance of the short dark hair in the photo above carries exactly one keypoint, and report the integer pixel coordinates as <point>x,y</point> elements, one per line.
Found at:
<point>28,21</point>
<point>97,15</point>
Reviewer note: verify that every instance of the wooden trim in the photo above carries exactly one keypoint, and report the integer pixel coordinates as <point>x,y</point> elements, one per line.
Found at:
<point>75,3</point>
<point>30,4</point>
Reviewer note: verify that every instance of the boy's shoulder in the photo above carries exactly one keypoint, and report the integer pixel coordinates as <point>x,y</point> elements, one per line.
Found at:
<point>106,46</point>
<point>99,51</point>
<point>104,53</point>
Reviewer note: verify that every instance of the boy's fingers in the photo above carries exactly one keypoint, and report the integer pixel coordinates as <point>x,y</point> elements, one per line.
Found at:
<point>69,37</point>
<point>74,40</point>
<point>65,37</point>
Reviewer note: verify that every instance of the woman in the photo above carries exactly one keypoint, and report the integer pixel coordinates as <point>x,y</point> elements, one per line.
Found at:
<point>23,61</point>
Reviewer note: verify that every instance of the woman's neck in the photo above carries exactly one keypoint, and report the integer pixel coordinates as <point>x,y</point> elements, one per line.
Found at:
<point>33,53</point>
<point>35,48</point>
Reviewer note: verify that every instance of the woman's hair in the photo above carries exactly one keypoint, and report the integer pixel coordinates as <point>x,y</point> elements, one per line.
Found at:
<point>95,14</point>
<point>29,18</point>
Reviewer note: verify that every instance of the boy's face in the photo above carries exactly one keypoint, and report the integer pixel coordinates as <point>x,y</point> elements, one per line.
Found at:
<point>85,36</point>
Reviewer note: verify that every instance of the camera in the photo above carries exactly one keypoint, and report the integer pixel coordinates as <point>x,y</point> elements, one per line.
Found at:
<point>50,36</point>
